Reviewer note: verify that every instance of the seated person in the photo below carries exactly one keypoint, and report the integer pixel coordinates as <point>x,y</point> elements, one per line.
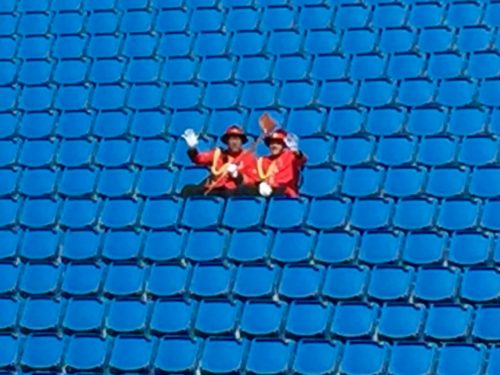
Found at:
<point>232,170</point>
<point>279,172</point>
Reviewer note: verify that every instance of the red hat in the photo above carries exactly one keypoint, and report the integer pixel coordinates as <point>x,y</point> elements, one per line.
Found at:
<point>278,135</point>
<point>234,130</point>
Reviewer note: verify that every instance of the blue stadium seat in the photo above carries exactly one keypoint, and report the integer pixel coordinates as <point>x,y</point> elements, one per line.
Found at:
<point>10,121</point>
<point>404,181</point>
<point>407,357</point>
<point>126,316</point>
<point>172,20</point>
<point>297,94</point>
<point>262,318</point>
<point>337,213</point>
<point>8,6</point>
<point>212,209</point>
<point>111,124</point>
<point>167,280</point>
<point>390,283</point>
<point>74,124</point>
<point>172,316</point>
<point>319,181</point>
<point>221,95</point>
<point>349,16</point>
<point>416,92</point>
<point>124,280</point>
<point>277,18</point>
<point>153,152</point>
<point>183,119</point>
<point>460,245</point>
<point>345,282</point>
<point>447,322</point>
<point>131,354</point>
<point>390,15</point>
<point>361,181</point>
<point>136,21</point>
<point>376,92</point>
<point>206,19</point>
<point>8,98</point>
<point>484,327</point>
<point>254,281</point>
<point>359,40</point>
<point>37,125</point>
<point>109,96</point>
<point>139,45</point>
<point>435,151</point>
<point>308,286</point>
<point>480,285</point>
<point>9,242</point>
<point>328,66</point>
<point>80,245</point>
<point>455,92</point>
<point>435,39</point>
<point>39,213</point>
<point>373,355</point>
<point>217,68</point>
<point>71,71</point>
<point>248,245</point>
<point>37,153</point>
<point>154,249</point>
<point>354,320</point>
<point>121,245</point>
<point>342,241</point>
<point>424,247</point>
<point>367,66</point>
<point>9,210</point>
<point>493,360</point>
<point>317,149</point>
<point>446,182</point>
<point>474,38</point>
<point>315,356</point>
<point>285,213</point>
<point>8,47</point>
<point>258,95</point>
<point>114,152</point>
<point>244,18</point>
<point>385,121</point>
<point>82,279</point>
<point>175,44</point>
<point>8,283</point>
<point>116,182</point>
<point>353,150</point>
<point>104,45</point>
<point>149,123</point>
<point>216,317</point>
<point>457,358</point>
<point>33,24</point>
<point>67,23</point>
<point>478,151</point>
<point>405,65</point>
<point>84,315</point>
<point>371,213</point>
<point>446,65</point>
<point>154,183</point>
<point>380,247</point>
<point>106,70</point>
<point>269,356</point>
<point>86,352</point>
<point>458,214</point>
<point>243,213</point>
<point>401,321</point>
<point>426,121</point>
<point>39,245</point>
<point>336,93</point>
<point>8,182</point>
<point>211,280</point>
<point>205,245</point>
<point>42,352</point>
<point>253,68</point>
<point>222,355</point>
<point>436,284</point>
<point>395,150</point>
<point>211,43</point>
<point>72,98</point>
<point>487,92</point>
<point>177,354</point>
<point>292,246</point>
<point>490,218</point>
<point>8,155</point>
<point>314,119</point>
<point>119,213</point>
<point>483,64</point>
<point>308,318</point>
<point>77,182</point>
<point>484,182</point>
<point>292,68</point>
<point>397,40</point>
<point>104,21</point>
<point>285,42</point>
<point>40,315</point>
<point>35,47</point>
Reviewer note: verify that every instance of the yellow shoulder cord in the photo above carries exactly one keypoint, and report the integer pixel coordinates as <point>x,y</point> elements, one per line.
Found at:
<point>218,171</point>
<point>265,175</point>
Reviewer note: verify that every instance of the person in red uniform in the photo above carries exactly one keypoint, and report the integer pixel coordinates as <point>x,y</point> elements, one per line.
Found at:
<point>279,172</point>
<point>232,170</point>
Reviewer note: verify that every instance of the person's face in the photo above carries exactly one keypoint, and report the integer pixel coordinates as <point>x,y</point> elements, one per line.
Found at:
<point>234,143</point>
<point>275,147</point>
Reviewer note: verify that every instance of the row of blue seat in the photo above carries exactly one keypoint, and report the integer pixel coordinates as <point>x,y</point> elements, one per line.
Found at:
<point>355,182</point>
<point>346,320</point>
<point>247,281</point>
<point>364,214</point>
<point>251,18</point>
<point>132,353</point>
<point>321,151</point>
<point>329,247</point>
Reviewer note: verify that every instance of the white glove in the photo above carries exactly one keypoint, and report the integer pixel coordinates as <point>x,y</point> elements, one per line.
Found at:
<point>190,137</point>
<point>265,189</point>
<point>232,169</point>
<point>292,142</point>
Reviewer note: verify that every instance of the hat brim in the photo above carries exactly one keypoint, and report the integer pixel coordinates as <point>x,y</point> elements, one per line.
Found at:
<point>269,140</point>
<point>225,138</point>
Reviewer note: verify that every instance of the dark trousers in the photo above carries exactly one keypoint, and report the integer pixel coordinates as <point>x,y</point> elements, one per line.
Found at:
<point>240,191</point>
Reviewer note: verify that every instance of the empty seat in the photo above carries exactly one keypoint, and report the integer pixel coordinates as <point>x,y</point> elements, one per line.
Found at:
<point>262,318</point>
<point>222,355</point>
<point>126,316</point>
<point>114,153</point>
<point>80,244</point>
<point>353,151</point>
<point>380,247</point>
<point>457,358</point>
<point>447,322</point>
<point>372,357</point>
<point>376,92</point>
<point>177,354</point>
<point>474,38</point>
<point>422,248</point>
<point>354,320</point>
<point>437,151</point>
<point>415,213</point>
<point>361,181</point>
<point>401,321</point>
<point>337,213</point>
<point>397,40</point>
<point>249,245</point>
<point>317,149</point>
<point>358,41</point>
<point>37,182</point>
<point>119,213</point>
<point>131,353</point>
<point>371,213</point>
<point>435,39</point>
<point>155,182</point>
<point>335,246</point>
<point>483,64</point>
<point>37,153</point>
<point>315,356</point>
<point>367,66</point>
<point>455,92</point>
<point>484,327</point>
<point>172,316</point>
<point>79,213</point>
<point>255,281</point>
<point>39,244</point>
<point>86,353</point>
<point>153,152</point>
<point>124,280</point>
<point>82,279</point>
<point>297,94</point>
<point>285,213</point>
<point>121,245</point>
<point>404,181</point>
<point>336,93</point>
<point>480,285</point>
<point>390,283</point>
<point>75,152</point>
<point>242,213</point>
<point>211,280</point>
<point>42,352</point>
<point>205,245</point>
<point>84,315</point>
<point>116,182</point>
<point>489,219</point>
<point>458,214</point>
<point>394,151</point>
<point>292,246</point>
<point>167,280</point>
<point>460,248</point>
<point>40,315</point>
<point>300,281</point>
<point>111,124</point>
<point>446,182</point>
<point>405,65</point>
<point>446,65</point>
<point>9,242</point>
<point>345,282</point>
<point>107,70</point>
<point>194,207</point>
<point>426,121</point>
<point>478,151</point>
<point>292,68</point>
<point>160,213</point>
<point>435,284</point>
<point>484,182</point>
<point>8,283</point>
<point>216,317</point>
<point>40,278</point>
<point>9,211</point>
<point>416,92</point>
<point>411,357</point>
<point>283,42</point>
<point>307,318</point>
<point>149,123</point>
<point>269,356</point>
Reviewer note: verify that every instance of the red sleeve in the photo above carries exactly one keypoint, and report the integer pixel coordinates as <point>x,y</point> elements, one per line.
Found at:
<point>202,158</point>
<point>300,159</point>
<point>249,171</point>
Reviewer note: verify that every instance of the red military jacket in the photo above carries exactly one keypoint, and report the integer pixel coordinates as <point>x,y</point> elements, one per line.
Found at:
<point>218,160</point>
<point>282,171</point>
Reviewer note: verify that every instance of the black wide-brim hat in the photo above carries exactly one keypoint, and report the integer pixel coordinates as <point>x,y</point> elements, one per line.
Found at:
<point>234,131</point>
